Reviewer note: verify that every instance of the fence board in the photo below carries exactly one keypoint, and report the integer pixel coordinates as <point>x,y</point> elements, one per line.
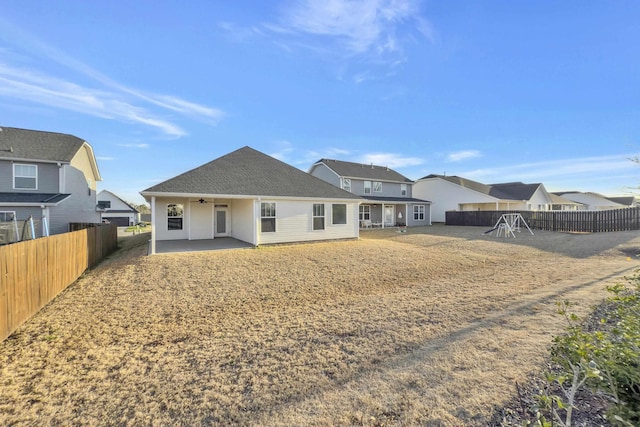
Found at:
<point>34,272</point>
<point>566,221</point>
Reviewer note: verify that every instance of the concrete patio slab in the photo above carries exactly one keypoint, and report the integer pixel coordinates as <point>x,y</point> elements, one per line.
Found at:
<point>217,244</point>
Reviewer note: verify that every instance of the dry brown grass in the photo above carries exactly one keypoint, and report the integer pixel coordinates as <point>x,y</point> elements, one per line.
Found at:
<point>431,327</point>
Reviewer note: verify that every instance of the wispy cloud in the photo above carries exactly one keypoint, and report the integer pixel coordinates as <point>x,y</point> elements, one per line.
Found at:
<point>552,169</point>
<point>106,99</point>
<point>357,26</point>
<point>106,159</point>
<point>391,160</point>
<point>463,155</point>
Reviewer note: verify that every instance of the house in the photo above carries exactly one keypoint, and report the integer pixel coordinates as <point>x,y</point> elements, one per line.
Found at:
<point>590,201</point>
<point>454,193</point>
<point>252,197</point>
<point>115,210</point>
<point>626,201</point>
<point>388,195</point>
<point>47,176</point>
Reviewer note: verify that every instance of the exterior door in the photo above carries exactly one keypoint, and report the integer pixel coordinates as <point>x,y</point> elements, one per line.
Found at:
<point>221,222</point>
<point>389,215</point>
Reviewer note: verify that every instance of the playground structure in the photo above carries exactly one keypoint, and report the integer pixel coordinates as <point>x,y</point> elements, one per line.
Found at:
<point>507,224</point>
<point>16,231</point>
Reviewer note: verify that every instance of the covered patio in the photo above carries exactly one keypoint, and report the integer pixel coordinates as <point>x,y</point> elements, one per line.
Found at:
<point>217,244</point>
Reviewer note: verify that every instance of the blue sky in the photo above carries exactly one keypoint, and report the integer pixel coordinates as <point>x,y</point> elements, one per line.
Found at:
<point>495,91</point>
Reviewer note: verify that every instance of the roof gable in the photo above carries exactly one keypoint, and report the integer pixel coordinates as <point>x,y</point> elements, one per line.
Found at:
<point>514,190</point>
<point>24,144</point>
<point>249,172</point>
<point>362,171</point>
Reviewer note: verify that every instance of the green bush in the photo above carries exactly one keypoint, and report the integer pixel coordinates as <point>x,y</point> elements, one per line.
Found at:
<point>605,359</point>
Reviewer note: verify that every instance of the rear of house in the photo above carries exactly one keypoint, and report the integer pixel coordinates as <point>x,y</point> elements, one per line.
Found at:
<point>387,195</point>
<point>251,197</point>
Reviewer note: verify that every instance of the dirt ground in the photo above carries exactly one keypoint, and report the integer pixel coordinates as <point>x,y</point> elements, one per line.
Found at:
<point>431,327</point>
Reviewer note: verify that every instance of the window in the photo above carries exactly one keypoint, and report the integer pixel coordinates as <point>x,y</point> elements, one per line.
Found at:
<point>25,177</point>
<point>6,216</point>
<point>403,189</point>
<point>318,216</point>
<point>418,212</point>
<point>175,214</point>
<point>377,187</point>
<point>367,187</point>
<point>104,204</point>
<point>365,212</point>
<point>268,217</point>
<point>346,184</point>
<point>339,213</point>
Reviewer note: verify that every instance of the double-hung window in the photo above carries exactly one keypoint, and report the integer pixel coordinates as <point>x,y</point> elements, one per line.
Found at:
<point>318,216</point>
<point>418,212</point>
<point>346,184</point>
<point>175,215</point>
<point>367,187</point>
<point>25,177</point>
<point>268,217</point>
<point>403,189</point>
<point>377,187</point>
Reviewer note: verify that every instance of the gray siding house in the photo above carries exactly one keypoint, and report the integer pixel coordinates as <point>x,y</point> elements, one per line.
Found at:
<point>50,177</point>
<point>387,195</point>
<point>252,197</point>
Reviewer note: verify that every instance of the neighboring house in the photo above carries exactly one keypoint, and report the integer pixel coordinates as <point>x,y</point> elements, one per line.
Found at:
<point>388,195</point>
<point>591,201</point>
<point>559,203</point>
<point>47,175</point>
<point>115,210</point>
<point>252,197</point>
<point>454,193</point>
<point>626,201</point>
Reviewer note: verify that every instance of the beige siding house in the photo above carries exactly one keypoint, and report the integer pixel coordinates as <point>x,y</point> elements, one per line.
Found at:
<point>252,197</point>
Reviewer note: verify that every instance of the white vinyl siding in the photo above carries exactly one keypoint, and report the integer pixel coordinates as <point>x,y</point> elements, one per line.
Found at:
<point>295,224</point>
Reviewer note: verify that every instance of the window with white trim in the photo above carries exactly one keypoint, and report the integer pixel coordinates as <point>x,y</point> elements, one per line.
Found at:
<point>175,216</point>
<point>403,189</point>
<point>377,187</point>
<point>6,216</point>
<point>25,177</point>
<point>365,212</point>
<point>268,217</point>
<point>346,184</point>
<point>338,213</point>
<point>418,212</point>
<point>367,187</point>
<point>318,216</point>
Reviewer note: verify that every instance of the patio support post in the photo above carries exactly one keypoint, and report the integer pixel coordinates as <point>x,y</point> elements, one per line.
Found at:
<point>382,221</point>
<point>153,225</point>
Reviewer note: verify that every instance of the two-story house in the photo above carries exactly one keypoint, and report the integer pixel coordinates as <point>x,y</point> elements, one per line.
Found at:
<point>387,195</point>
<point>46,176</point>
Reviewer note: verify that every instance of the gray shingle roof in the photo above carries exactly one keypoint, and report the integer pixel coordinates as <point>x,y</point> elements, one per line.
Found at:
<point>362,171</point>
<point>249,172</point>
<point>33,198</point>
<point>38,145</point>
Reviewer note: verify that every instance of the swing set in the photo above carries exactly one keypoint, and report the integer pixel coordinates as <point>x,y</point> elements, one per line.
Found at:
<point>507,224</point>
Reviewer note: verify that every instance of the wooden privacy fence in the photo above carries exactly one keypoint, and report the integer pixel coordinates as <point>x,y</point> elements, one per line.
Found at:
<point>568,221</point>
<point>34,272</point>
